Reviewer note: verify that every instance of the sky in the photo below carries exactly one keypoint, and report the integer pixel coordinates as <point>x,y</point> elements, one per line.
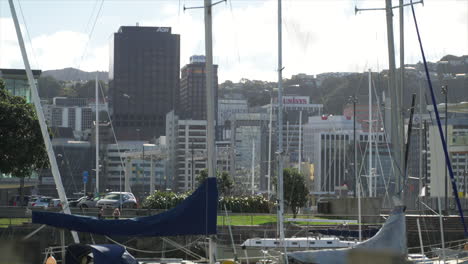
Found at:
<point>318,35</point>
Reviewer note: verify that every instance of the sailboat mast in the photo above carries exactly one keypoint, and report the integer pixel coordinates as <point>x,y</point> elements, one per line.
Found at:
<point>40,116</point>
<point>209,89</point>
<point>97,134</point>
<point>252,171</point>
<point>396,136</point>
<point>300,141</point>
<point>210,144</point>
<point>280,132</point>
<point>371,176</point>
<point>269,148</point>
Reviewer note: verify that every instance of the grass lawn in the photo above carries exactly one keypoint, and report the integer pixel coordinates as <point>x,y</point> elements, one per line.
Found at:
<point>262,219</point>
<point>5,222</point>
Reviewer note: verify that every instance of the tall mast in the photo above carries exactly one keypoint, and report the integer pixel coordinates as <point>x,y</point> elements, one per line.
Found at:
<point>41,119</point>
<point>209,89</point>
<point>97,135</point>
<point>269,148</point>
<point>280,133</point>
<point>396,137</point>
<point>253,167</point>
<point>371,179</point>
<point>210,108</point>
<point>300,141</point>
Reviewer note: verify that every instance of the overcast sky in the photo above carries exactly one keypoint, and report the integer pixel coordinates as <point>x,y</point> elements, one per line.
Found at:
<point>318,35</point>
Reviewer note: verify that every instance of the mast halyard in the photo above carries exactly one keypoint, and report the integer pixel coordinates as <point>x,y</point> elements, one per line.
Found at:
<point>40,116</point>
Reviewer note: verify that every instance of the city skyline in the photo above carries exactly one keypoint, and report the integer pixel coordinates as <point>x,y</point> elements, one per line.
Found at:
<point>314,33</point>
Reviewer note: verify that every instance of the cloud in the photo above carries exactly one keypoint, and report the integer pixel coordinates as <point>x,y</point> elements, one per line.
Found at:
<point>58,50</point>
<point>318,36</point>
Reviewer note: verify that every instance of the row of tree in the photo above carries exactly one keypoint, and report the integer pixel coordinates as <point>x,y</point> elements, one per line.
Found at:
<point>295,195</point>
<point>50,88</point>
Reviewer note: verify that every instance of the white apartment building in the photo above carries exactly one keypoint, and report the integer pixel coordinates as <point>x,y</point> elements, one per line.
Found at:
<point>326,146</point>
<point>145,160</point>
<point>457,141</point>
<point>186,141</point>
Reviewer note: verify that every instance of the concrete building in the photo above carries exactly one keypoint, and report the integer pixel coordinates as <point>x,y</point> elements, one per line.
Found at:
<point>16,82</point>
<point>73,159</point>
<point>292,106</point>
<point>226,108</point>
<point>73,113</point>
<point>193,89</point>
<point>327,146</point>
<point>143,80</point>
<point>186,142</point>
<point>144,160</point>
<point>249,141</point>
<point>458,149</point>
<point>362,114</point>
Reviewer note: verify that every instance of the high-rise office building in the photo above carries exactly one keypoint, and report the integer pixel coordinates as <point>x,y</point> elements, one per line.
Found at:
<point>144,80</point>
<point>193,89</point>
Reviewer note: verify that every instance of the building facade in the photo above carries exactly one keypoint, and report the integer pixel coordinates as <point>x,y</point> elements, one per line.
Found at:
<point>186,141</point>
<point>73,113</point>
<point>457,142</point>
<point>144,160</point>
<point>292,108</point>
<point>16,82</point>
<point>249,141</point>
<point>193,89</point>
<point>143,80</point>
<point>226,108</point>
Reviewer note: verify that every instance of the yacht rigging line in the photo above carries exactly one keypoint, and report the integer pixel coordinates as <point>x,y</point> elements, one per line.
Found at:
<point>90,34</point>
<point>178,247</point>
<point>113,134</point>
<point>27,34</point>
<point>439,125</point>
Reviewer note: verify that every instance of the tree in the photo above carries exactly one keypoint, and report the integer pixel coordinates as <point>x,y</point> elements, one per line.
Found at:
<point>22,148</point>
<point>223,180</point>
<point>295,190</point>
<point>48,87</point>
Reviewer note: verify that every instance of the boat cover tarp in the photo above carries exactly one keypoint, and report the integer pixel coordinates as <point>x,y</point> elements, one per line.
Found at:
<point>101,254</point>
<point>391,238</point>
<point>196,215</point>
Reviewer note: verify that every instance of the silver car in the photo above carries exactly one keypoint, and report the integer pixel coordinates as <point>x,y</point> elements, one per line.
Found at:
<point>88,202</point>
<point>40,202</point>
<point>117,199</point>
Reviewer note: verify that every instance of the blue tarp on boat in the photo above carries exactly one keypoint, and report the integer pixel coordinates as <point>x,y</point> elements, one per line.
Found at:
<point>196,215</point>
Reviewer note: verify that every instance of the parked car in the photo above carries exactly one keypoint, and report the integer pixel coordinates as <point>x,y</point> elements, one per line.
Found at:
<point>75,202</point>
<point>118,199</point>
<point>40,202</point>
<point>55,203</point>
<point>88,202</point>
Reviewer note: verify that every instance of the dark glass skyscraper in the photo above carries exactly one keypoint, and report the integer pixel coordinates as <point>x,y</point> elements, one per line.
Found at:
<point>144,80</point>
<point>193,89</point>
